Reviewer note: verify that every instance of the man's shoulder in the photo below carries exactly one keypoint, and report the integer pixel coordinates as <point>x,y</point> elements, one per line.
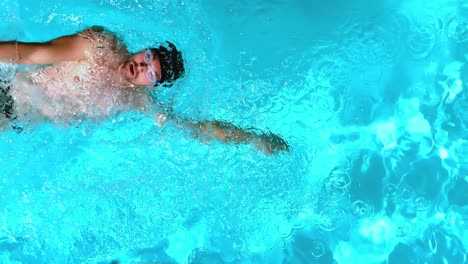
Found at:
<point>100,34</point>
<point>95,30</point>
<point>102,43</point>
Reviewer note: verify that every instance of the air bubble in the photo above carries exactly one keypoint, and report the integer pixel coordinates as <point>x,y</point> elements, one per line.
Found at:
<point>361,209</point>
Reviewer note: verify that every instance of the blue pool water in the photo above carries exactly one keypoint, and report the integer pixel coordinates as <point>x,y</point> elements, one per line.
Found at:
<point>370,95</point>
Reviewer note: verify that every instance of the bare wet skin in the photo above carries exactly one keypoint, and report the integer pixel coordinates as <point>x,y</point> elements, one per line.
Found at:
<point>268,143</point>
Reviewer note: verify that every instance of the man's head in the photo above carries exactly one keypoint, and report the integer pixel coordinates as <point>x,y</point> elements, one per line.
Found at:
<point>155,66</point>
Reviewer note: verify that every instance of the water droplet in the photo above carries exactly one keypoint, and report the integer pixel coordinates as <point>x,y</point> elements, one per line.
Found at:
<point>406,195</point>
<point>318,249</point>
<point>422,202</point>
<point>390,191</point>
<point>336,185</point>
<point>425,146</point>
<point>285,230</point>
<point>402,230</point>
<point>432,242</point>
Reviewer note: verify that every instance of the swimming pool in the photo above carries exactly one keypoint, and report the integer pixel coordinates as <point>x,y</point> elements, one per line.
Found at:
<point>367,94</point>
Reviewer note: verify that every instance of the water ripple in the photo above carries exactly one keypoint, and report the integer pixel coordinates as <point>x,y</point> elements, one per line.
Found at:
<point>332,218</point>
<point>457,30</point>
<point>421,40</point>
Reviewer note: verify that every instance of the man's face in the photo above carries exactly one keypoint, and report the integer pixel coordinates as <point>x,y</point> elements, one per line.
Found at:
<point>135,70</point>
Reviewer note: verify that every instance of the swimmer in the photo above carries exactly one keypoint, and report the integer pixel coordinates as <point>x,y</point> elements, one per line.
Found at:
<point>92,75</point>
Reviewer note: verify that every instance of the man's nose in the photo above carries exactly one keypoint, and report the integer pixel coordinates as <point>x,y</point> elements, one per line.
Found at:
<point>141,66</point>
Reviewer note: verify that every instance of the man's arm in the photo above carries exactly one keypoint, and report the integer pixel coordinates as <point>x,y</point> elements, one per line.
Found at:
<point>206,131</point>
<point>67,48</point>
<point>268,143</point>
